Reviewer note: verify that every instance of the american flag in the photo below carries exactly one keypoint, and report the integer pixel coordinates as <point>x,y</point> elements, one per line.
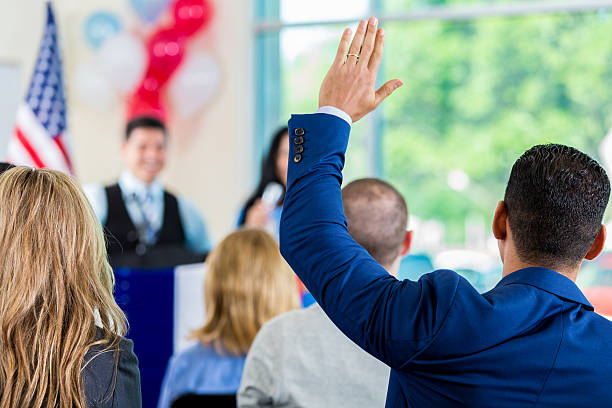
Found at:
<point>39,139</point>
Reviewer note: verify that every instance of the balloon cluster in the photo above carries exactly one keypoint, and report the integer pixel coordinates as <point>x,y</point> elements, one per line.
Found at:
<point>166,51</point>
<point>143,70</point>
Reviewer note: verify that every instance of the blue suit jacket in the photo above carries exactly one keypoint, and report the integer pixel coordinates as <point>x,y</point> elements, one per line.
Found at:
<point>534,340</point>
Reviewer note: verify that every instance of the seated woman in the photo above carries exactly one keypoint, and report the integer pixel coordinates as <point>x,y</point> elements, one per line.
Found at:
<point>263,210</point>
<point>61,331</point>
<point>247,282</point>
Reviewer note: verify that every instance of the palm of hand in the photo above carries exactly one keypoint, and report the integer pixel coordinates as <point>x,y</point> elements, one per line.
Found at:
<point>350,82</point>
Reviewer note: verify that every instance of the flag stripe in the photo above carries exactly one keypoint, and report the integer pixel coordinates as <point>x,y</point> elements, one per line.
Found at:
<point>60,145</point>
<point>17,154</point>
<point>39,139</point>
<point>31,152</point>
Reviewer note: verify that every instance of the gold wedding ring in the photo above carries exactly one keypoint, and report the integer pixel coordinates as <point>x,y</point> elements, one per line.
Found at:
<point>353,55</point>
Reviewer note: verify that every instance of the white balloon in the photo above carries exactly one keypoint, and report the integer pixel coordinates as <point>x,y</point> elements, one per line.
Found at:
<point>123,60</point>
<point>92,87</point>
<point>194,83</point>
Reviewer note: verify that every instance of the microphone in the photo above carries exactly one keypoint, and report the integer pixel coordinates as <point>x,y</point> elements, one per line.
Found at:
<point>272,194</point>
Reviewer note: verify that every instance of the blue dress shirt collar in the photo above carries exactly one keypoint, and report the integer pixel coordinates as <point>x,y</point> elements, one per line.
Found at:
<point>548,280</point>
<point>131,185</point>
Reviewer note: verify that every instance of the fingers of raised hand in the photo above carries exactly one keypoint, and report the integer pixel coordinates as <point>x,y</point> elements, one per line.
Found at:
<point>368,42</point>
<point>357,41</point>
<point>377,53</point>
<point>343,47</point>
<point>386,90</point>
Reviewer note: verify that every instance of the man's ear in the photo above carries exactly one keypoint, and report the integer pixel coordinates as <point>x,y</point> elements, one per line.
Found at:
<point>500,221</point>
<point>407,243</point>
<point>598,245</point>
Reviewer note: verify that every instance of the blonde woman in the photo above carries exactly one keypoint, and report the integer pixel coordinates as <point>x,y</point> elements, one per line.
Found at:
<point>61,331</point>
<point>247,283</point>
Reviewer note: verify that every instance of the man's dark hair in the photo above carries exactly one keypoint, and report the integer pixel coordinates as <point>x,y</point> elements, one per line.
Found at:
<point>143,122</point>
<point>268,173</point>
<point>377,217</point>
<point>555,199</point>
<point>5,166</point>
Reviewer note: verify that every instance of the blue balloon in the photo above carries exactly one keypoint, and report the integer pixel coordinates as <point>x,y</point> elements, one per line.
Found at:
<point>99,26</point>
<point>149,10</point>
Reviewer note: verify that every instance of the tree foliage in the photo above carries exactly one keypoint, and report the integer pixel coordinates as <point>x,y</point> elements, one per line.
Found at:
<point>476,95</point>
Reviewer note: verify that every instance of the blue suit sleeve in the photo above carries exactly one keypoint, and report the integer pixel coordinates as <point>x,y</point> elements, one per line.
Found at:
<point>392,320</point>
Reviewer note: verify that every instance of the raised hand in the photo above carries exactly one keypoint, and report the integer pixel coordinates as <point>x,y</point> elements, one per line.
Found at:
<point>258,215</point>
<point>349,83</point>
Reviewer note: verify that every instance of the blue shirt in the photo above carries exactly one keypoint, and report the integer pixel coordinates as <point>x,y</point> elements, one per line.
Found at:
<point>196,236</point>
<point>533,340</point>
<point>200,370</point>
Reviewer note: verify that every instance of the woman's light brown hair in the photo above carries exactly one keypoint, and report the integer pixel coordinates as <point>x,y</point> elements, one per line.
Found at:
<point>247,283</point>
<point>54,280</point>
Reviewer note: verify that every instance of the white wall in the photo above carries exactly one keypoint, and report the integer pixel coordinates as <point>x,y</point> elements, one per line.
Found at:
<point>9,98</point>
<point>211,155</point>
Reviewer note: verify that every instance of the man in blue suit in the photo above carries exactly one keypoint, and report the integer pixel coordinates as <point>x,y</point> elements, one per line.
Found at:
<point>533,340</point>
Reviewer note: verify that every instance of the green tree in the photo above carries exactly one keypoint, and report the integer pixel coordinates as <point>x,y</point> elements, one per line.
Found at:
<point>478,94</point>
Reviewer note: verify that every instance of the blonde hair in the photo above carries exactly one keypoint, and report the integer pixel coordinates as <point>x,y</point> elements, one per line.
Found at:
<point>247,283</point>
<point>54,280</point>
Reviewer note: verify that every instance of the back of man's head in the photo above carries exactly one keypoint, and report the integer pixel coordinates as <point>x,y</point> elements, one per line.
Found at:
<point>377,218</point>
<point>555,200</point>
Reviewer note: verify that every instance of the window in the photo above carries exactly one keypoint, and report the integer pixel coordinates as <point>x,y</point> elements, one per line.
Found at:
<point>483,81</point>
<point>305,51</point>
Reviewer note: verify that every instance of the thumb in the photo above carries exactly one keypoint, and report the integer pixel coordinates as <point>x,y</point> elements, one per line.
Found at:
<point>386,90</point>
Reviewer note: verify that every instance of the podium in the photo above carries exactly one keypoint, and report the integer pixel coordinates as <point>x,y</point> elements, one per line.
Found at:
<point>163,306</point>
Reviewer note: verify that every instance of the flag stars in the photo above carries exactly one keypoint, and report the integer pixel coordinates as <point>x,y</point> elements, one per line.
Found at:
<point>53,79</point>
<point>45,54</point>
<point>39,78</point>
<point>43,116</point>
<point>49,92</point>
<point>43,66</point>
<point>53,130</point>
<point>36,91</point>
<point>55,118</point>
<point>46,94</point>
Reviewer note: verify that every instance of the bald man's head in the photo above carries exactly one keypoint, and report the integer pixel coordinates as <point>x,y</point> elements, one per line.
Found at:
<point>377,218</point>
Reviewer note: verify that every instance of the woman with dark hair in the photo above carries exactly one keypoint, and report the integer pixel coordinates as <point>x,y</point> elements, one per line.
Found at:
<point>262,209</point>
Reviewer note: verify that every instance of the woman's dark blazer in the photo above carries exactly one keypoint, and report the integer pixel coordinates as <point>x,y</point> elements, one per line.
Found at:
<point>104,389</point>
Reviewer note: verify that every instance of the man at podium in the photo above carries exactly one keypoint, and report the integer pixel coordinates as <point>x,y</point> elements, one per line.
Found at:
<point>145,225</point>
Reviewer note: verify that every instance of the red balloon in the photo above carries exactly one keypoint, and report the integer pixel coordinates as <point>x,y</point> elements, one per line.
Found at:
<point>166,49</point>
<point>146,101</point>
<point>191,15</point>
